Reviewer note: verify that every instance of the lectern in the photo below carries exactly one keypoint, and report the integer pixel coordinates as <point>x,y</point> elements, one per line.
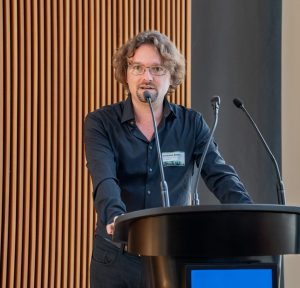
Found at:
<point>175,241</point>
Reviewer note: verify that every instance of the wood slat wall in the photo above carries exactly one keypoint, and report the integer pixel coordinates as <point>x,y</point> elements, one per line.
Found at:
<point>55,67</point>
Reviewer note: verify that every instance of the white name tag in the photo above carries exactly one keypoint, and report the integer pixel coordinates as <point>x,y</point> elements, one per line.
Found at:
<point>175,158</point>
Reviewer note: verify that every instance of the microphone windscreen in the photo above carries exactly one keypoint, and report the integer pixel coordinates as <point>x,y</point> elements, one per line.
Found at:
<point>238,103</point>
<point>147,95</point>
<point>215,100</point>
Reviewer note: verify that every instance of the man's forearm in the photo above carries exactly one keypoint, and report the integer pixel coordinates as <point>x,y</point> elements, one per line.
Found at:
<point>108,201</point>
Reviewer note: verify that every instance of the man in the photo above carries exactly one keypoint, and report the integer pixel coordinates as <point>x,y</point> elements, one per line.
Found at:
<point>122,157</point>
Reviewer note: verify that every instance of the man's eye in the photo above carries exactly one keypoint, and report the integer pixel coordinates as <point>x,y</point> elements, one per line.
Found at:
<point>137,68</point>
<point>157,69</point>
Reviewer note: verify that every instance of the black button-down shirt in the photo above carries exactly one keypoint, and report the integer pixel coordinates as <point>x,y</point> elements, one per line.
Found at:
<point>124,165</point>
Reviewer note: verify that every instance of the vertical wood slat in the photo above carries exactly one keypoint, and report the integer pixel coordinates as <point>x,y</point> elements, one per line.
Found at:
<point>6,143</point>
<point>54,146</point>
<point>34,145</point>
<point>13,143</point>
<point>41,137</point>
<point>21,154</point>
<point>55,67</point>
<point>61,142</point>
<point>79,95</point>
<point>48,146</point>
<point>27,148</point>
<point>73,99</point>
<point>2,133</point>
<point>67,150</point>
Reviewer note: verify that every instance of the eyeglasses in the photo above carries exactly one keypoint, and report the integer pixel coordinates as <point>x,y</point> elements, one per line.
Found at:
<point>139,69</point>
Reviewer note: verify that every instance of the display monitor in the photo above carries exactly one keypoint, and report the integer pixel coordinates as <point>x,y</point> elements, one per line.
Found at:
<point>232,276</point>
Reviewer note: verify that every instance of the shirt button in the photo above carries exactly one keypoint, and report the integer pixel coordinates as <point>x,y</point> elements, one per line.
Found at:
<point>150,147</point>
<point>150,169</point>
<point>148,192</point>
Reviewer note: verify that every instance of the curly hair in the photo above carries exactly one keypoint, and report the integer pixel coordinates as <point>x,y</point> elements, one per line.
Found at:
<point>172,59</point>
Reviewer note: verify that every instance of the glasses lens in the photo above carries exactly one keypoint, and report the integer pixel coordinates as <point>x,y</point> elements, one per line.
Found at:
<point>137,69</point>
<point>157,70</point>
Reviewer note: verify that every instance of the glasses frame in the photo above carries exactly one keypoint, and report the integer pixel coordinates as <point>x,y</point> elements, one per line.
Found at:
<point>150,68</point>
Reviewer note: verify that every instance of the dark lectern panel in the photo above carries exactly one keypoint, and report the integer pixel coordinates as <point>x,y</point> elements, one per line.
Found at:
<point>212,231</point>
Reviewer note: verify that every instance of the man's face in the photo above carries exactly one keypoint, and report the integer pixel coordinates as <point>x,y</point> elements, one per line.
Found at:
<point>146,73</point>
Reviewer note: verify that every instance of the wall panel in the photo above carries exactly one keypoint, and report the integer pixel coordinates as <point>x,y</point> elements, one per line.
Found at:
<point>55,67</point>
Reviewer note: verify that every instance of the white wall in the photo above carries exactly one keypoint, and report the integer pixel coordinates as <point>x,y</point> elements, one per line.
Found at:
<point>291,121</point>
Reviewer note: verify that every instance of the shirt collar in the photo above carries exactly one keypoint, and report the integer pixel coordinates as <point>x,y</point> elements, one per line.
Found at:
<point>128,113</point>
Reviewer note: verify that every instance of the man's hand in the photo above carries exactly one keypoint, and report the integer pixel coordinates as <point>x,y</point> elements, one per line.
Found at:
<point>110,228</point>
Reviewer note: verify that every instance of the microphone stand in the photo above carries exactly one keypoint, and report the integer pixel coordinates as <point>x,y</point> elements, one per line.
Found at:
<point>215,103</point>
<point>280,185</point>
<point>163,183</point>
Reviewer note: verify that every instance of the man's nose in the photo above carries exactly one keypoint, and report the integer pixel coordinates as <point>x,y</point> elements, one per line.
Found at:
<point>147,74</point>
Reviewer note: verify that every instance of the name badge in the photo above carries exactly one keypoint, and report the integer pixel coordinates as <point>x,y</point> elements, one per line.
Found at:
<point>176,158</point>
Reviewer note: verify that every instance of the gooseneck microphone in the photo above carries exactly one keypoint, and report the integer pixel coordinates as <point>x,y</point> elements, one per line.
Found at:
<point>215,101</point>
<point>280,186</point>
<point>163,183</point>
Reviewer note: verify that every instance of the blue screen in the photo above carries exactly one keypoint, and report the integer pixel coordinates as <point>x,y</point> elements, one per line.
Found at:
<point>231,278</point>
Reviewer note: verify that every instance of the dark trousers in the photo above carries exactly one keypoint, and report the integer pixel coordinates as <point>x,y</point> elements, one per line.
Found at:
<point>112,267</point>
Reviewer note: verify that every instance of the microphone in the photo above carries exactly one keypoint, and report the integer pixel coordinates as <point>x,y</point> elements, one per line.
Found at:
<point>163,183</point>
<point>280,186</point>
<point>215,101</point>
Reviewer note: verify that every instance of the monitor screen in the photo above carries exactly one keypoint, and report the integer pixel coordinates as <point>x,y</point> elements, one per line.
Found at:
<point>232,276</point>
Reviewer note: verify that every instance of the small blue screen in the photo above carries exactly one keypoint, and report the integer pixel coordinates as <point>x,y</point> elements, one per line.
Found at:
<point>231,278</point>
